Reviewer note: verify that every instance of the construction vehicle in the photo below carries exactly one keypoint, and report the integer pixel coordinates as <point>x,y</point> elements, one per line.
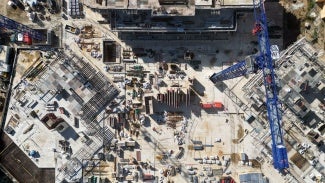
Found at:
<point>263,61</point>
<point>71,29</point>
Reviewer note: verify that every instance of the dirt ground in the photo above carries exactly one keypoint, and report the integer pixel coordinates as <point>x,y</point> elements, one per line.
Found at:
<point>311,24</point>
<point>16,14</point>
<point>299,9</point>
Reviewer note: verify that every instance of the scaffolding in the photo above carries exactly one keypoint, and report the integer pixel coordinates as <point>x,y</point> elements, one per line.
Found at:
<point>104,89</point>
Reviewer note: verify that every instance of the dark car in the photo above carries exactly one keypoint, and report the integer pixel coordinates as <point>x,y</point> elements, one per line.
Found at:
<point>12,4</point>
<point>64,16</point>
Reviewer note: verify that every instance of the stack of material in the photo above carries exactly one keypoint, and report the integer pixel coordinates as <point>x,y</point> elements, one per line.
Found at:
<point>174,98</point>
<point>171,124</point>
<point>172,119</point>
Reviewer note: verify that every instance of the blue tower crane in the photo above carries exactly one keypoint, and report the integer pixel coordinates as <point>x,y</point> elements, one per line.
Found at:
<point>8,23</point>
<point>262,61</point>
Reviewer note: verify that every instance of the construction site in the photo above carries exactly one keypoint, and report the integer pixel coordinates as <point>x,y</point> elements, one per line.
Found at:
<point>158,91</point>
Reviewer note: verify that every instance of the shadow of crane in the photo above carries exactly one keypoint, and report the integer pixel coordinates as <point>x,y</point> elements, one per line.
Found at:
<point>156,145</point>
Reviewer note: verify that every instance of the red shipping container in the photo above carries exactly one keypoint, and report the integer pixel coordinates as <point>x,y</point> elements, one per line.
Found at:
<point>218,105</point>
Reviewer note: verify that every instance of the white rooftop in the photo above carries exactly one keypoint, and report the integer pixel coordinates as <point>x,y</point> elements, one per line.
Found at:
<point>4,67</point>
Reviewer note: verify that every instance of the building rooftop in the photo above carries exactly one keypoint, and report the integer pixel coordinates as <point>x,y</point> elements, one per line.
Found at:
<point>252,178</point>
<point>4,58</point>
<point>299,76</point>
<point>299,73</point>
<point>144,21</point>
<point>183,7</point>
<point>54,99</point>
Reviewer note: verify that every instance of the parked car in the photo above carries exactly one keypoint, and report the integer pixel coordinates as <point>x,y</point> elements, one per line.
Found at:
<point>64,16</point>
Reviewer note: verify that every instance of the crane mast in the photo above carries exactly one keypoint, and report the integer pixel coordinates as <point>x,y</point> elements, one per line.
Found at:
<point>262,61</point>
